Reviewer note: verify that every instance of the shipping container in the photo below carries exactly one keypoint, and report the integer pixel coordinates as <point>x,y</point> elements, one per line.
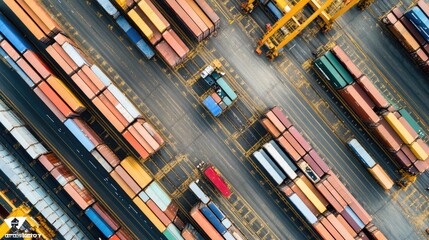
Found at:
<point>74,54</point>
<point>298,137</point>
<point>49,161</point>
<point>373,92</point>
<point>105,216</point>
<point>388,136</point>
<point>145,134</point>
<point>361,153</point>
<point>226,87</point>
<point>314,166</point>
<point>128,179</point>
<point>108,154</point>
<point>413,30</point>
<point>175,43</point>
<point>323,232</point>
<point>185,19</point>
<point>281,116</point>
<point>289,161</point>
<point>318,203</point>
<point>168,54</point>
<point>408,127</point>
<point>149,128</point>
<point>211,14</point>
<point>199,12</point>
<point>159,214</point>
<point>10,50</point>
<point>302,208</point>
<point>211,217</point>
<point>420,20</point>
<point>418,151</point>
<point>109,8</point>
<point>101,106</point>
<point>340,69</point>
<point>399,128</point>
<point>44,17</point>
<point>12,35</point>
<point>189,233</point>
<point>205,225</point>
<point>88,83</point>
<point>10,120</point>
<point>331,195</point>
<point>82,85</point>
<point>381,176</point>
<point>65,58</point>
<point>136,171</point>
<point>158,195</point>
<point>288,148</point>
<point>79,134</point>
<point>195,17</point>
<point>346,61</point>
<point>99,222</point>
<point>142,26</point>
<point>66,94</point>
<point>149,214</point>
<point>295,189</point>
<point>215,209</point>
<point>133,131</point>
<point>59,113</point>
<point>135,144</point>
<point>76,197</point>
<point>198,192</point>
<point>308,171</point>
<point>326,69</point>
<point>37,64</point>
<point>122,184</point>
<point>404,36</point>
<point>135,113</point>
<point>295,144</point>
<point>154,15</point>
<point>172,233</point>
<point>281,162</point>
<point>405,114</point>
<point>275,121</point>
<point>172,210</point>
<point>101,160</point>
<point>217,181</point>
<point>269,126</point>
<point>88,131</point>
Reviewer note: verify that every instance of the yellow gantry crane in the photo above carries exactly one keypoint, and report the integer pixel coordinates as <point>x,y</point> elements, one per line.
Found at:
<point>290,27</point>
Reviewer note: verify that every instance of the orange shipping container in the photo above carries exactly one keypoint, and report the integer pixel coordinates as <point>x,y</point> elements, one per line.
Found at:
<point>381,176</point>
<point>65,56</point>
<point>190,24</point>
<point>269,126</point>
<point>108,114</point>
<point>339,227</point>
<point>346,225</point>
<point>113,110</point>
<point>141,141</point>
<point>205,224</point>
<point>202,15</point>
<point>145,134</point>
<point>335,193</point>
<point>288,148</point>
<point>176,43</point>
<point>76,197</point>
<point>88,82</point>
<point>37,64</point>
<point>59,60</point>
<point>159,214</point>
<point>122,184</point>
<point>108,154</point>
<point>55,99</point>
<point>331,229</point>
<point>50,104</point>
<point>65,93</point>
<point>133,142</point>
<point>275,121</point>
<point>33,16</point>
<point>209,12</point>
<point>194,16</point>
<point>82,86</point>
<point>299,149</point>
<point>330,198</point>
<point>10,50</point>
<point>43,15</point>
<point>94,79</point>
<point>128,179</point>
<point>404,36</point>
<point>31,73</point>
<point>323,232</point>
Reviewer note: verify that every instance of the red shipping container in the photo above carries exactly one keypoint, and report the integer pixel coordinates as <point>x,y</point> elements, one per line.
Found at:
<point>168,54</point>
<point>55,99</point>
<point>402,159</point>
<point>50,104</point>
<point>318,160</point>
<point>123,235</point>
<point>171,211</point>
<point>335,194</point>
<point>331,229</point>
<point>407,151</point>
<point>288,148</point>
<point>373,92</point>
<point>413,30</point>
<point>364,95</point>
<point>136,145</point>
<point>345,60</point>
<point>141,140</point>
<point>217,181</point>
<point>118,115</point>
<point>179,223</point>
<point>280,115</point>
<point>176,43</point>
<point>76,197</point>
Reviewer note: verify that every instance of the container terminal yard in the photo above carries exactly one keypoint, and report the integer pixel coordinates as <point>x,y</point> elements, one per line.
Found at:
<point>205,119</point>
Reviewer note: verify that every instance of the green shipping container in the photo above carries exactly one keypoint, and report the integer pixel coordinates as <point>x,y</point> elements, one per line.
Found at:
<point>340,68</point>
<point>404,113</point>
<point>329,72</point>
<point>228,90</point>
<point>172,233</point>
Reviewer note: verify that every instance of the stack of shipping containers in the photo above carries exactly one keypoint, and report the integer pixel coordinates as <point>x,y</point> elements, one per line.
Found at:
<point>396,132</point>
<point>309,184</point>
<point>412,30</point>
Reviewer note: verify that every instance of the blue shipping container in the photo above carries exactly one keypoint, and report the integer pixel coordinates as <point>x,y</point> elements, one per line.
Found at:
<point>227,101</point>
<point>109,8</point>
<point>12,34</point>
<point>213,219</point>
<point>145,49</point>
<point>419,20</point>
<point>305,211</point>
<point>215,209</point>
<point>211,105</point>
<point>123,23</point>
<point>274,10</point>
<point>361,153</point>
<point>75,130</point>
<point>99,222</point>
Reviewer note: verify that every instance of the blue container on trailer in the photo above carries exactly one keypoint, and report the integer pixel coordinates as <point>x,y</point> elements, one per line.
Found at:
<point>211,105</point>
<point>12,34</point>
<point>418,18</point>
<point>134,35</point>
<point>361,153</point>
<point>215,209</point>
<point>227,89</point>
<point>123,23</point>
<point>274,10</point>
<point>75,130</point>
<point>99,222</point>
<point>145,49</point>
<point>355,217</point>
<point>211,217</point>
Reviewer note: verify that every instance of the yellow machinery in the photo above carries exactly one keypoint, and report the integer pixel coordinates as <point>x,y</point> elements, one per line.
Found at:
<point>406,180</point>
<point>39,226</point>
<point>290,27</point>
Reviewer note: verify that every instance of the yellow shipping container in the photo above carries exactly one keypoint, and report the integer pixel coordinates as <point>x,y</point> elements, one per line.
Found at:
<point>149,214</point>
<point>122,3</point>
<point>418,151</point>
<point>381,176</point>
<point>281,4</point>
<point>310,195</point>
<point>140,23</point>
<point>152,16</point>
<point>136,171</point>
<point>399,128</point>
<point>65,93</point>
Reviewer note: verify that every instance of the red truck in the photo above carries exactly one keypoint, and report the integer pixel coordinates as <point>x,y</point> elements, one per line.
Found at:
<point>215,178</point>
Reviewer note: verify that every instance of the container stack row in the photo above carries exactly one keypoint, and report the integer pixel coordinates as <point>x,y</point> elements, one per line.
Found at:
<point>131,32</point>
<point>221,95</point>
<point>156,29</point>
<point>92,82</point>
<point>210,219</point>
<point>394,131</point>
<point>309,184</point>
<point>411,29</point>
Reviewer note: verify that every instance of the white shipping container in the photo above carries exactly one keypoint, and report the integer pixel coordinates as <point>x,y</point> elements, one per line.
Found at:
<point>305,211</point>
<point>3,106</point>
<point>74,54</point>
<point>135,113</point>
<point>10,120</point>
<point>228,236</point>
<point>124,113</point>
<point>227,223</point>
<point>109,8</point>
<point>268,168</point>
<point>100,74</point>
<point>280,161</point>
<point>101,160</point>
<point>61,180</point>
<point>36,150</point>
<point>144,196</point>
<point>24,137</point>
<point>198,192</point>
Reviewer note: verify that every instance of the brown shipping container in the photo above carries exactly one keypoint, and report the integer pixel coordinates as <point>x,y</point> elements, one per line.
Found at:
<point>402,159</point>
<point>194,16</point>
<point>329,197</point>
<point>62,171</point>
<point>159,214</point>
<point>404,36</point>
<point>26,20</point>
<point>66,94</point>
<point>359,106</point>
<point>340,188</point>
<point>168,54</point>
<point>381,176</point>
<point>105,216</point>
<point>122,184</point>
<point>346,225</point>
<point>318,160</point>
<point>413,31</point>
<point>50,104</point>
<point>339,227</point>
<point>294,143</point>
<point>171,210</point>
<point>408,153</point>
<point>113,110</point>
<point>422,166</point>
<point>174,44</point>
<point>364,95</point>
<point>145,134</point>
<point>55,99</point>
<point>275,121</point>
<point>390,18</point>
<point>152,132</point>
<point>187,21</point>
<point>304,198</point>
<point>31,73</point>
<point>10,50</point>
<point>179,223</point>
<point>335,193</point>
<point>204,224</point>
<point>211,14</point>
<point>76,197</point>
<point>216,97</point>
<point>423,6</point>
<point>49,161</point>
<point>156,34</point>
<point>288,148</point>
<point>128,179</point>
<point>83,192</point>
<point>141,140</point>
<point>310,161</point>
<point>37,64</point>
<point>397,12</point>
<point>269,126</point>
<point>123,235</point>
<point>59,60</point>
<point>88,131</point>
<point>136,145</point>
<point>360,212</point>
<point>65,56</point>
<point>323,232</point>
<point>331,229</point>
<point>280,115</point>
<point>345,60</point>
<point>304,144</point>
<point>285,189</point>
<point>202,15</point>
<point>101,106</point>
<point>83,86</point>
<point>350,221</point>
<point>108,154</point>
<point>43,15</point>
<point>373,92</point>
<point>388,136</point>
<point>314,189</point>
